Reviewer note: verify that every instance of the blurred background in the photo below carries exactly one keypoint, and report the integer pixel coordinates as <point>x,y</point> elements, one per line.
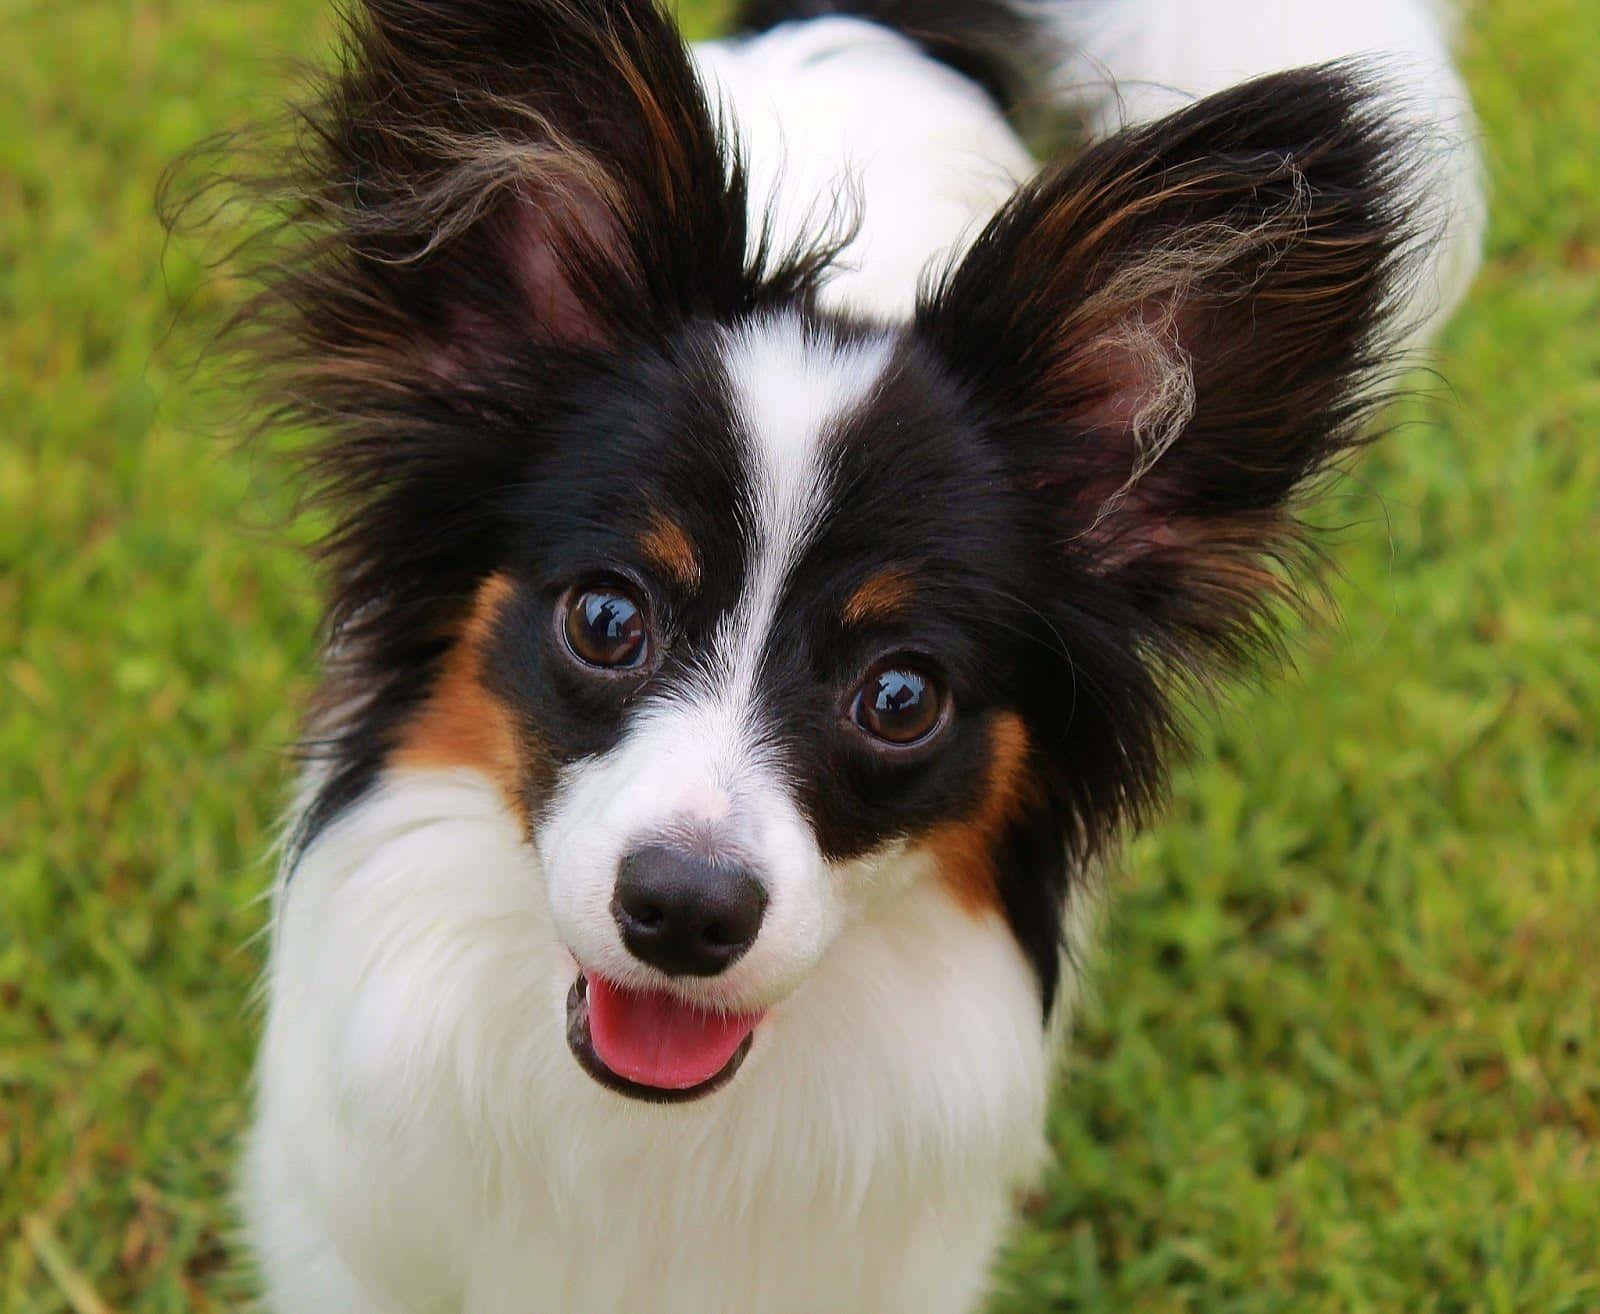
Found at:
<point>1343,1052</point>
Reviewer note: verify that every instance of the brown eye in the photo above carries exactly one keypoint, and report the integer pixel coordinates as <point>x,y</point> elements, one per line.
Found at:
<point>898,704</point>
<point>605,627</point>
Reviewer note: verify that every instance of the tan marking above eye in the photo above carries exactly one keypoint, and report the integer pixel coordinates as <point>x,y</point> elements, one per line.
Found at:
<point>881,596</point>
<point>668,547</point>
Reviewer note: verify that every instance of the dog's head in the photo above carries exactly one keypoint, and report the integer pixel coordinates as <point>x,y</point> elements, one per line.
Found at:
<point>754,613</point>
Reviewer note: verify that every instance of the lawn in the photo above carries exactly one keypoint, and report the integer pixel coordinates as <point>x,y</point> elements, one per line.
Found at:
<point>1344,1048</point>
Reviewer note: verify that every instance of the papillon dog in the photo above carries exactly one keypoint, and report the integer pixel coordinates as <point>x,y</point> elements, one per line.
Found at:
<point>775,524</point>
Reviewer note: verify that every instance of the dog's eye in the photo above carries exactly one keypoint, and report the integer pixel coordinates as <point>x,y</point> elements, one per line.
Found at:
<point>605,627</point>
<point>899,704</point>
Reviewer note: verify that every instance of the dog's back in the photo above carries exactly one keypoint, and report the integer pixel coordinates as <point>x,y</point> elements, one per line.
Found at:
<point>849,124</point>
<point>899,114</point>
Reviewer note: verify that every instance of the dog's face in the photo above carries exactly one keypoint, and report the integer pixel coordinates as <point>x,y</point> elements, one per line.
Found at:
<point>762,701</point>
<point>755,613</point>
<point>752,658</point>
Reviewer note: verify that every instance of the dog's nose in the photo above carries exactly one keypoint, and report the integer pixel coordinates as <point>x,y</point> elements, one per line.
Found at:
<point>683,914</point>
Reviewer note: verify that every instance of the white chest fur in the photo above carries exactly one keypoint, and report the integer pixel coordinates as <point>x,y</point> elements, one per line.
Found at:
<point>426,1141</point>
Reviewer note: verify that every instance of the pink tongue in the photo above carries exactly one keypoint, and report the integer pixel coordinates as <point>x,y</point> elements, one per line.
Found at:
<point>657,1040</point>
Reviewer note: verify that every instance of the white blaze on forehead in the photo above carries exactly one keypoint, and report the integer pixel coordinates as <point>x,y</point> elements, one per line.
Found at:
<point>791,387</point>
<point>700,759</point>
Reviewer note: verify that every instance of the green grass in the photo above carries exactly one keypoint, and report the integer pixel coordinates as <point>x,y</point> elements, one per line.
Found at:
<point>1344,1052</point>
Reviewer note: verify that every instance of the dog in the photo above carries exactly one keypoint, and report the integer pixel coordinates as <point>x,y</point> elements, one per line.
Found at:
<point>774,527</point>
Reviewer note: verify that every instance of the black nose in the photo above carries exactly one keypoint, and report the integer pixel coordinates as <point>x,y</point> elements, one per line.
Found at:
<point>683,914</point>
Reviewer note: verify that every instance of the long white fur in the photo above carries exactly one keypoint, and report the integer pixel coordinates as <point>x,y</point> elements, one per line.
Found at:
<point>841,115</point>
<point>424,1141</point>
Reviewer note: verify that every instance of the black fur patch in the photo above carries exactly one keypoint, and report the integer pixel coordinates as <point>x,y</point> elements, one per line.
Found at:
<point>990,41</point>
<point>1250,250</point>
<point>655,433</point>
<point>484,209</point>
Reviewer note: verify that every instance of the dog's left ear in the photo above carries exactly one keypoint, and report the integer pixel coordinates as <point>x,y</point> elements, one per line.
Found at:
<point>1167,338</point>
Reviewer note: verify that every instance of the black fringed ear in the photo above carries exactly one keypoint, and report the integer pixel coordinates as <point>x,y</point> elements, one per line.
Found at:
<point>478,178</point>
<point>483,206</point>
<point>1171,335</point>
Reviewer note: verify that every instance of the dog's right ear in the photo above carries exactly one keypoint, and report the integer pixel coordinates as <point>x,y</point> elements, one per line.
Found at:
<point>480,203</point>
<point>483,177</point>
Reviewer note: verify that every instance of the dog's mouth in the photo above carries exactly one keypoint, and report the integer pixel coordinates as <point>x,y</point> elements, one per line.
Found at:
<point>650,1045</point>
